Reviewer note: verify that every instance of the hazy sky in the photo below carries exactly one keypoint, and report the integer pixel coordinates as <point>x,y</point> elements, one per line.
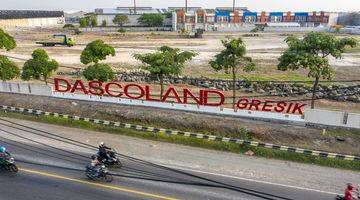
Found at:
<point>255,5</point>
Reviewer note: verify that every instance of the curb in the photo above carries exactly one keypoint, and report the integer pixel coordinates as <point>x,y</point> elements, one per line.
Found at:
<point>186,134</point>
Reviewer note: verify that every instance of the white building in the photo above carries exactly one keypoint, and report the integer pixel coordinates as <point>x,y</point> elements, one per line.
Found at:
<point>108,14</point>
<point>31,18</point>
<point>74,17</point>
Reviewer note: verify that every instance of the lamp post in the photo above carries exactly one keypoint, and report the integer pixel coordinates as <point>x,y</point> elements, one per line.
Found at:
<point>234,6</point>
<point>134,6</point>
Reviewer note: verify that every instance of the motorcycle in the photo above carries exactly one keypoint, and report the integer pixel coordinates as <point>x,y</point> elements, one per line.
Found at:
<point>341,197</point>
<point>9,165</point>
<point>101,175</point>
<point>112,161</point>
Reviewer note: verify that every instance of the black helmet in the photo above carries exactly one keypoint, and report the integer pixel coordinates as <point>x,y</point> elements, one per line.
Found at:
<point>93,157</point>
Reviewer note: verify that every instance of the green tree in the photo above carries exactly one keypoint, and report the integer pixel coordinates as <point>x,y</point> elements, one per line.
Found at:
<point>96,51</point>
<point>103,23</point>
<point>93,53</point>
<point>40,65</point>
<point>8,69</point>
<point>231,59</point>
<point>121,19</point>
<point>151,20</point>
<point>165,61</point>
<point>93,21</point>
<point>84,22</point>
<point>100,72</point>
<point>312,53</point>
<point>7,42</point>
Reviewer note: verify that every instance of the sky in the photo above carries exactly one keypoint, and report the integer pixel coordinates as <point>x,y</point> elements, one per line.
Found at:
<point>254,5</point>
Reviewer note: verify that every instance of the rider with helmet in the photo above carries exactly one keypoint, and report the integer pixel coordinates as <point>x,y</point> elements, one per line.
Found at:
<point>103,151</point>
<point>94,165</point>
<point>3,153</point>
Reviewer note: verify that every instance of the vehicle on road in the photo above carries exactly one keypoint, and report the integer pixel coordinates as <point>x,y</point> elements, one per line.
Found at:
<point>66,41</point>
<point>8,164</point>
<point>102,174</point>
<point>354,192</point>
<point>112,160</point>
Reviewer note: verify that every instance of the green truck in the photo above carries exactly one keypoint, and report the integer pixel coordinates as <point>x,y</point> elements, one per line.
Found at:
<point>66,41</point>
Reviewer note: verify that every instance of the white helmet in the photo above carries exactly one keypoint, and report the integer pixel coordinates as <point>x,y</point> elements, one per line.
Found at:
<point>102,144</point>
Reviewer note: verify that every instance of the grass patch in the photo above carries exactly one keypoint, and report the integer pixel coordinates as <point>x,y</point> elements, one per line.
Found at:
<point>343,133</point>
<point>353,50</point>
<point>195,142</point>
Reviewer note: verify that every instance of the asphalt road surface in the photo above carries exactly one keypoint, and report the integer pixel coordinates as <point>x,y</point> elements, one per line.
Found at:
<point>49,171</point>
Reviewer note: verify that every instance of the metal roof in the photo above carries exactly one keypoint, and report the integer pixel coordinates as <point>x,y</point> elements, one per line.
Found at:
<point>21,14</point>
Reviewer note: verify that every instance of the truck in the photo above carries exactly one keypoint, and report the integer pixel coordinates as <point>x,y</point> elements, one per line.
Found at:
<point>66,41</point>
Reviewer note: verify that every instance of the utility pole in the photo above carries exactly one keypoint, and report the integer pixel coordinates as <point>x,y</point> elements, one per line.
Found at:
<point>135,7</point>
<point>186,6</point>
<point>234,6</point>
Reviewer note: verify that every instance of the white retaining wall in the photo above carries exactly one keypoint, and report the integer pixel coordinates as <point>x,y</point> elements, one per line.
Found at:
<point>332,118</point>
<point>353,120</point>
<point>25,88</point>
<point>184,107</point>
<point>312,116</point>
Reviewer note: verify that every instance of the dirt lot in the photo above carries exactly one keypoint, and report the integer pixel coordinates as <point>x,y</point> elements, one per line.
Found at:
<point>265,49</point>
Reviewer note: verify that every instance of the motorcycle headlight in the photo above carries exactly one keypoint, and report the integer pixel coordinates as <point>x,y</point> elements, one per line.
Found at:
<point>11,160</point>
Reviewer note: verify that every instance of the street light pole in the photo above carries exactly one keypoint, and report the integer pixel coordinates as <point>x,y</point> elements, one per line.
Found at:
<point>134,6</point>
<point>233,5</point>
<point>186,6</point>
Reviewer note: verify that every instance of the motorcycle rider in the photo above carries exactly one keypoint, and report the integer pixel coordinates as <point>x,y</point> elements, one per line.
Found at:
<point>3,153</point>
<point>104,151</point>
<point>94,166</point>
<point>349,192</point>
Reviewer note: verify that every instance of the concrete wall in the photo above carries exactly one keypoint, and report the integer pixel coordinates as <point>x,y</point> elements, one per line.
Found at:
<point>295,29</point>
<point>185,107</point>
<point>24,88</point>
<point>109,20</point>
<point>312,116</point>
<point>353,120</point>
<point>332,118</point>
<point>115,29</point>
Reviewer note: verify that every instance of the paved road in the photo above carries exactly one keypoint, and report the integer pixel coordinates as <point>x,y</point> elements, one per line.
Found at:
<point>56,172</point>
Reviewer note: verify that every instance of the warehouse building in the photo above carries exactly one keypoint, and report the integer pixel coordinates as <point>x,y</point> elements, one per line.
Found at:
<point>31,18</point>
<point>108,14</point>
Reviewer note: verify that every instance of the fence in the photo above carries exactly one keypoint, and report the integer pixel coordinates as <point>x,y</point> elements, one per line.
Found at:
<point>312,116</point>
<point>115,29</point>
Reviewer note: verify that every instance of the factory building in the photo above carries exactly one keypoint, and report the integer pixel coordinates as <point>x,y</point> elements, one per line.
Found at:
<point>108,14</point>
<point>31,18</point>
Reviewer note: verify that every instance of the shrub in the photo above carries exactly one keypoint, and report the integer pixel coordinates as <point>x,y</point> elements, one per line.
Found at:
<point>121,30</point>
<point>69,26</point>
